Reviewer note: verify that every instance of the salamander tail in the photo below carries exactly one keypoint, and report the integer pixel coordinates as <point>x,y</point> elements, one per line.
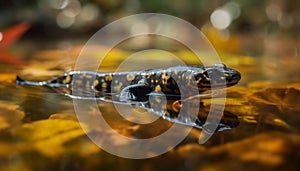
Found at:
<point>19,80</point>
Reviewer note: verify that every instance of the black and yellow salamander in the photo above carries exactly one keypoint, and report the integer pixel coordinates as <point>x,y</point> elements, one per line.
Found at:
<point>135,88</point>
<point>137,85</point>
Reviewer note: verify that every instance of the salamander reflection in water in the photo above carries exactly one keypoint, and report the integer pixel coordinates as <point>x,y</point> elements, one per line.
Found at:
<point>189,112</point>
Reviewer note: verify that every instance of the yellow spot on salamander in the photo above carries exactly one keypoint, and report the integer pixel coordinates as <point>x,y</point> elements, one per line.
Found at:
<point>118,87</point>
<point>158,88</point>
<point>104,85</point>
<point>67,80</point>
<point>78,82</point>
<point>165,78</point>
<point>108,78</point>
<point>96,82</point>
<point>130,77</point>
<point>148,76</point>
<point>199,79</point>
<point>87,76</point>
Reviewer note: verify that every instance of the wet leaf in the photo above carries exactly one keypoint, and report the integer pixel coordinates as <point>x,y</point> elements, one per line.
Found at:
<point>9,116</point>
<point>191,150</point>
<point>15,165</point>
<point>49,136</point>
<point>7,148</point>
<point>7,77</point>
<point>278,96</point>
<point>64,115</point>
<point>278,105</point>
<point>268,150</point>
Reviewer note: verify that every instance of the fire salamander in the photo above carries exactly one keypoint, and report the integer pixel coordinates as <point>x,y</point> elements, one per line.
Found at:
<point>174,83</point>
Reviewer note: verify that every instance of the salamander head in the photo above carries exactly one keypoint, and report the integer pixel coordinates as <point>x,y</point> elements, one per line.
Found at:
<point>217,75</point>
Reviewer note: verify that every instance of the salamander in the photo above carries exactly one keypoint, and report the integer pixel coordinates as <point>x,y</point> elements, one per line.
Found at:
<point>173,82</point>
<point>135,88</point>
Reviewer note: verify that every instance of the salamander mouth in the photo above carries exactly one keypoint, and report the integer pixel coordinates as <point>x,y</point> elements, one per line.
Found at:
<point>231,84</point>
<point>207,86</point>
<point>234,79</point>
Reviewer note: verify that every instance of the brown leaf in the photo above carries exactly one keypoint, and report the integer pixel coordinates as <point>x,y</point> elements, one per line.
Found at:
<point>278,105</point>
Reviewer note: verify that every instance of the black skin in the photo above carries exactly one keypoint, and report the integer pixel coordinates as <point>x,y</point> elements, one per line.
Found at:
<point>141,83</point>
<point>138,86</point>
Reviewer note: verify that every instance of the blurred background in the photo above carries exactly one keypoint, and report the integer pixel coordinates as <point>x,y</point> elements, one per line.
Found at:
<point>222,21</point>
<point>264,29</point>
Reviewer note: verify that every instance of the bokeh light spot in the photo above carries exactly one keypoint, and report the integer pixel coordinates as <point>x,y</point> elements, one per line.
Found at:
<point>64,21</point>
<point>58,4</point>
<point>220,19</point>
<point>1,36</point>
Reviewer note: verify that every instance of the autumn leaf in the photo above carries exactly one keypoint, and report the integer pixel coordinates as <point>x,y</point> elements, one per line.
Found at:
<point>12,34</point>
<point>9,116</point>
<point>49,136</point>
<point>279,106</point>
<point>8,37</point>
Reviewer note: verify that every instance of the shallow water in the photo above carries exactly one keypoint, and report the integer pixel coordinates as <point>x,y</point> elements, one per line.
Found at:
<point>39,129</point>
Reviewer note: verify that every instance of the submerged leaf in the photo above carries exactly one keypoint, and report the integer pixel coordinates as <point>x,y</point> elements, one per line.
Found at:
<point>278,106</point>
<point>9,115</point>
<point>49,136</point>
<point>278,96</point>
<point>270,149</point>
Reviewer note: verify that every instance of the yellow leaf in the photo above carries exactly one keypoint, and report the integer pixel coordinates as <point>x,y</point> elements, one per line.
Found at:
<point>48,136</point>
<point>9,115</point>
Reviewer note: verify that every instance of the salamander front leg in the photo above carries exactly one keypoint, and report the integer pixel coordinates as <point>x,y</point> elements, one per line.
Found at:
<point>136,92</point>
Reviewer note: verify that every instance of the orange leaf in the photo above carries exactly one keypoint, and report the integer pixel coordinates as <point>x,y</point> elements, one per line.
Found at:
<point>13,33</point>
